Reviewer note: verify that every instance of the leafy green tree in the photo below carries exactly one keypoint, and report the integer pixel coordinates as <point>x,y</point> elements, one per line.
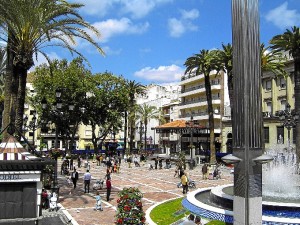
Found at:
<point>30,26</point>
<point>204,63</point>
<point>105,105</point>
<point>133,88</point>
<point>70,79</point>
<point>289,42</point>
<point>145,113</point>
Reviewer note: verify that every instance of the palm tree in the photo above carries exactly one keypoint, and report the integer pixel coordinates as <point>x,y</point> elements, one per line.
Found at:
<point>145,114</point>
<point>29,27</point>
<point>225,57</point>
<point>2,74</point>
<point>270,61</point>
<point>133,88</point>
<point>289,42</point>
<point>204,63</point>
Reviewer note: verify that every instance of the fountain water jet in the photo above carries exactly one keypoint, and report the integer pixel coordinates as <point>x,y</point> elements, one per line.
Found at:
<point>280,178</point>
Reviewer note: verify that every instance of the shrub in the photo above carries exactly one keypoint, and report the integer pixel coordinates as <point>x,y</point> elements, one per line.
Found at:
<point>130,208</point>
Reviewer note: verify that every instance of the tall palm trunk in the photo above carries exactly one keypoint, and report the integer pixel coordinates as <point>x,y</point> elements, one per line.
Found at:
<point>10,87</point>
<point>132,130</point>
<point>210,119</point>
<point>145,136</point>
<point>230,92</point>
<point>297,102</point>
<point>125,131</point>
<point>21,97</point>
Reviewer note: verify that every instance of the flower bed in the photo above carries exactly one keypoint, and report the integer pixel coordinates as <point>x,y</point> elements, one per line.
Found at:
<point>130,208</point>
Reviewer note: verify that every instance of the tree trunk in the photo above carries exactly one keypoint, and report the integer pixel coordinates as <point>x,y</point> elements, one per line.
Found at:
<point>145,136</point>
<point>125,132</point>
<point>9,87</point>
<point>21,98</point>
<point>230,93</point>
<point>210,119</point>
<point>132,129</point>
<point>297,103</point>
<point>94,138</point>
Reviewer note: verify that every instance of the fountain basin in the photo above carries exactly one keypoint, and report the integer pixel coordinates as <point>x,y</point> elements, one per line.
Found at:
<point>215,204</point>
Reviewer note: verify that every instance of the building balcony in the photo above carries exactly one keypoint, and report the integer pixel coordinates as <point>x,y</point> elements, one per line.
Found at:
<point>197,90</point>
<point>197,103</point>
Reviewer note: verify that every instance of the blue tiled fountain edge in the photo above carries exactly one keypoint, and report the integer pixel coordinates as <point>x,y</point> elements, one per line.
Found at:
<point>218,216</point>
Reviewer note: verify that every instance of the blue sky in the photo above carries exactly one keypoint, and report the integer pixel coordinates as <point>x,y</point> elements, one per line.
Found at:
<point>149,40</point>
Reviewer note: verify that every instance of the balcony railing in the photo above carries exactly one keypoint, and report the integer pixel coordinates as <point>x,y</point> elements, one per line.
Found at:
<point>199,100</point>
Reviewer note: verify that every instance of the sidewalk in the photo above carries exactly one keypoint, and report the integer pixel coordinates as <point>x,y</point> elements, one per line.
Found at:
<point>156,185</point>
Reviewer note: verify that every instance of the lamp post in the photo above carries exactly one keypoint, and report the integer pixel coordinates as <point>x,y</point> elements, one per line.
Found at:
<point>153,137</point>
<point>191,125</point>
<point>140,130</point>
<point>289,119</point>
<point>56,113</point>
<point>32,125</point>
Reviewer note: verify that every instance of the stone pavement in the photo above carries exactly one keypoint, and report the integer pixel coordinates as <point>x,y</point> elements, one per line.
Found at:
<point>156,185</point>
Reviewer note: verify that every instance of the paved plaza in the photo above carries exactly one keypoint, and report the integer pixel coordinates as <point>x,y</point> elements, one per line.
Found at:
<point>156,185</point>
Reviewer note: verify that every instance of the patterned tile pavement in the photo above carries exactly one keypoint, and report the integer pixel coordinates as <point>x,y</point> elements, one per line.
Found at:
<point>156,185</point>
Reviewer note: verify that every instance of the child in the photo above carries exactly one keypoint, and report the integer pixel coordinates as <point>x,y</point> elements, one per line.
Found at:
<point>98,202</point>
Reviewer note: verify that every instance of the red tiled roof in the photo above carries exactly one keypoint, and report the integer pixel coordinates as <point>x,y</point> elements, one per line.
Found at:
<point>176,124</point>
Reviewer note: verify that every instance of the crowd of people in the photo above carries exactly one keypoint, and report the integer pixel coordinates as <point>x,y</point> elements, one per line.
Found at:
<point>112,164</point>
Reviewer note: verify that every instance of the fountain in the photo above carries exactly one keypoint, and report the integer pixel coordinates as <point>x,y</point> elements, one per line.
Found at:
<point>281,192</point>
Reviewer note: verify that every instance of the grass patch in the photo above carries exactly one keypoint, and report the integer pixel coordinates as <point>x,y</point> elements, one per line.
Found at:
<point>169,212</point>
<point>172,211</point>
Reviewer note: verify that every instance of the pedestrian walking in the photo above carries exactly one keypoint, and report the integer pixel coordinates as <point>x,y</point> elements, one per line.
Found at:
<point>156,162</point>
<point>204,171</point>
<point>98,202</point>
<point>78,162</point>
<point>71,163</point>
<point>74,177</point>
<point>87,180</point>
<point>184,182</point>
<point>108,189</point>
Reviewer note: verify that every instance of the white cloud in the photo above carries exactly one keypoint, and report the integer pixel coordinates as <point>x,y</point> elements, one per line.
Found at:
<point>177,27</point>
<point>135,8</point>
<point>140,8</point>
<point>113,27</point>
<point>190,15</point>
<point>282,17</point>
<point>168,74</point>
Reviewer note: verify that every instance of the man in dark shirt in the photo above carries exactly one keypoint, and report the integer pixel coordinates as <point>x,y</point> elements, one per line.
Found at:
<point>108,188</point>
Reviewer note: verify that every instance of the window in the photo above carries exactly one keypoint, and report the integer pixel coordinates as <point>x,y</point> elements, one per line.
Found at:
<point>88,133</point>
<point>269,85</point>
<point>269,108</point>
<point>280,135</point>
<point>266,134</point>
<point>282,104</point>
<point>282,83</point>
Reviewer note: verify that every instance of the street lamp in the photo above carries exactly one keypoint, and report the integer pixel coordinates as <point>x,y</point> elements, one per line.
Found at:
<point>289,119</point>
<point>140,130</point>
<point>152,128</point>
<point>191,125</point>
<point>32,125</point>
<point>56,112</point>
